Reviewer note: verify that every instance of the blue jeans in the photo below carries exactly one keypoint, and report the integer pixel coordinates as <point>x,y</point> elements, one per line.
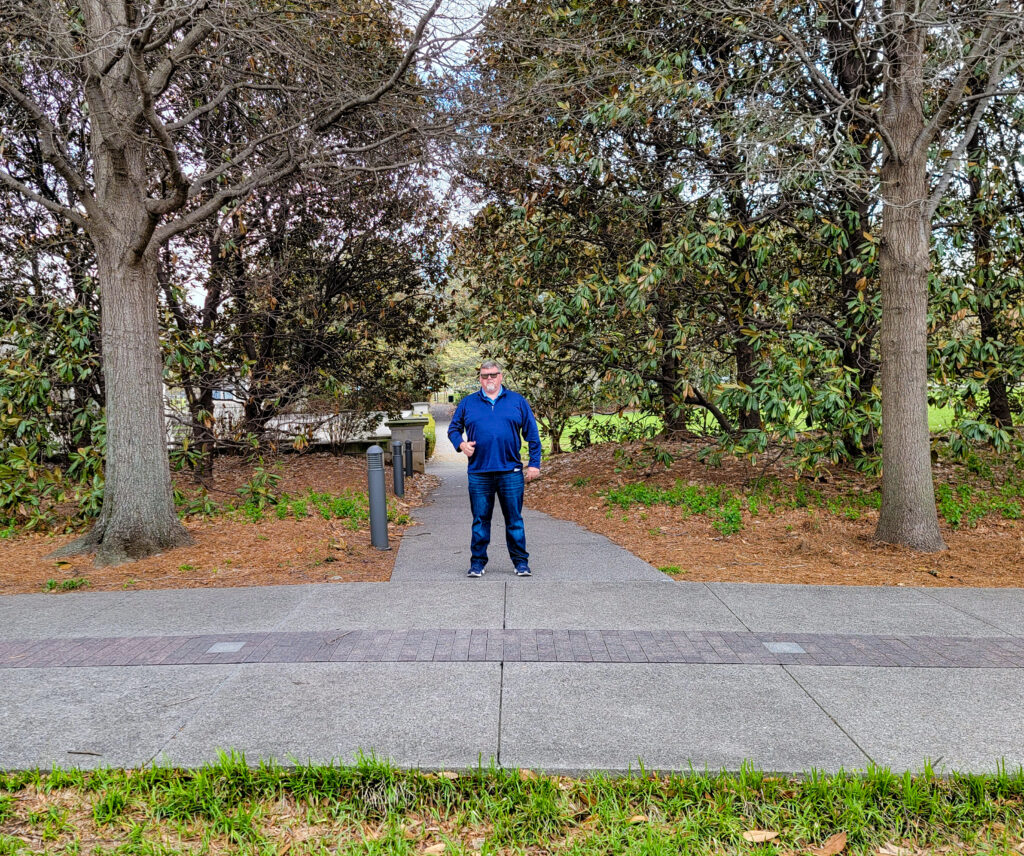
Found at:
<point>509,488</point>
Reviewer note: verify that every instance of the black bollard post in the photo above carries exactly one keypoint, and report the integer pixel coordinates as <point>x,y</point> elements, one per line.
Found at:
<point>377,498</point>
<point>408,457</point>
<point>396,465</point>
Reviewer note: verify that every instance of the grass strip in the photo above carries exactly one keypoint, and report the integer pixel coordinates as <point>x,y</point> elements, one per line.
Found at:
<point>372,808</point>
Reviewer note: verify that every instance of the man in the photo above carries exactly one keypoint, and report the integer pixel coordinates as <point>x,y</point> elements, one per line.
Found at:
<point>494,420</point>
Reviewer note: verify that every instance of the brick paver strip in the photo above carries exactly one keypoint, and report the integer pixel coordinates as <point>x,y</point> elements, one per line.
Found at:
<point>528,652</point>
<point>447,645</point>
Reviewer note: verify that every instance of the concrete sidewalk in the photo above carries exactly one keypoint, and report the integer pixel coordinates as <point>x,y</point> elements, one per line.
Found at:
<point>597,662</point>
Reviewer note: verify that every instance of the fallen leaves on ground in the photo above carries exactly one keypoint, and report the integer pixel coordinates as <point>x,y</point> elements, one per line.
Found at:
<point>891,849</point>
<point>759,836</point>
<point>236,552</point>
<point>789,545</point>
<point>835,844</point>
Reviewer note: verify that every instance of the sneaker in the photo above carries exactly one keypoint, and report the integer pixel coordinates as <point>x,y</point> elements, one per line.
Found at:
<point>475,573</point>
<point>523,571</point>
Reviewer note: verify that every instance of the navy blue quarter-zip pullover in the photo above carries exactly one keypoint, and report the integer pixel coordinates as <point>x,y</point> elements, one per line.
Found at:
<point>496,426</point>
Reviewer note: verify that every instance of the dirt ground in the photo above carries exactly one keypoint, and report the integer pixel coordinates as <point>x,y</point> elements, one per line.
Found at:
<point>803,545</point>
<point>236,552</point>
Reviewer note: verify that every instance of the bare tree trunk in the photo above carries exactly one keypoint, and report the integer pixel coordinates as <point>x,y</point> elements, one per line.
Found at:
<point>138,517</point>
<point>908,514</point>
<point>998,395</point>
<point>984,288</point>
<point>204,436</point>
<point>672,395</point>
<point>746,374</point>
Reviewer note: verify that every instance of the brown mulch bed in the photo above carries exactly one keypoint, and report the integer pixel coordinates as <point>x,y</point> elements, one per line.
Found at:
<point>231,551</point>
<point>801,545</point>
<point>791,545</point>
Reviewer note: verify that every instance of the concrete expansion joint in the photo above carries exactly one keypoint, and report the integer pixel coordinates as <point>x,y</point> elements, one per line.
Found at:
<point>828,713</point>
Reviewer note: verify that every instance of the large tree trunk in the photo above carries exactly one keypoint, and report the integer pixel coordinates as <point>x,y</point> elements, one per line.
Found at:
<point>908,514</point>
<point>138,517</point>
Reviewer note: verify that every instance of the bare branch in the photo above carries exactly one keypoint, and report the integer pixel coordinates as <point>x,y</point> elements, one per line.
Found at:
<point>985,49</point>
<point>159,207</point>
<point>164,72</point>
<point>48,138</point>
<point>373,97</point>
<point>285,166</point>
<point>51,205</point>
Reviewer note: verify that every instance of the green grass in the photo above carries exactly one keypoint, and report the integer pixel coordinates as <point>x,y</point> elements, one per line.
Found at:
<point>962,505</point>
<point>65,585</point>
<point>351,507</point>
<point>940,419</point>
<point>613,427</point>
<point>372,808</point>
<point>719,504</point>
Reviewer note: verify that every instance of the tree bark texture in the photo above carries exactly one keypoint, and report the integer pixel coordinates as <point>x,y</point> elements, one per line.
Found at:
<point>138,517</point>
<point>908,515</point>
<point>746,374</point>
<point>998,395</point>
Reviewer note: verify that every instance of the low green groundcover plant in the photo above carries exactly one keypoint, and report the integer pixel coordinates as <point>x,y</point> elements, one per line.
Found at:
<point>961,506</point>
<point>373,808</point>
<point>351,507</point>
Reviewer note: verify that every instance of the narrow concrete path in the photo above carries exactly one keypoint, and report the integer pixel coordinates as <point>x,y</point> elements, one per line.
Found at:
<point>560,551</point>
<point>596,662</point>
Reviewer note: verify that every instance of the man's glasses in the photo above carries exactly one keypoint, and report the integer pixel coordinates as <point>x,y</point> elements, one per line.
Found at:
<point>489,375</point>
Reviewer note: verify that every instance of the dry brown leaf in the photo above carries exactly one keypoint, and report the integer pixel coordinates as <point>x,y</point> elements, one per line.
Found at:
<point>756,836</point>
<point>835,844</point>
<point>434,849</point>
<point>527,774</point>
<point>371,834</point>
<point>448,774</point>
<point>638,818</point>
<point>890,849</point>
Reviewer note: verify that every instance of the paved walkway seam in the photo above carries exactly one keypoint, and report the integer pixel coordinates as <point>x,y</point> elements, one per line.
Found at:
<point>821,707</point>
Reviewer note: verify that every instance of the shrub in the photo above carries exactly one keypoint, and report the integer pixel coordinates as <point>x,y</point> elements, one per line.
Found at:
<point>430,433</point>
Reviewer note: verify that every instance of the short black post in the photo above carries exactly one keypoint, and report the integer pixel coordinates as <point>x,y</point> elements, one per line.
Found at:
<point>377,497</point>
<point>396,465</point>
<point>408,457</point>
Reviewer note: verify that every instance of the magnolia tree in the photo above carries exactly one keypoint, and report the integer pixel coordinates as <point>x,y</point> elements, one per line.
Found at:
<point>938,67</point>
<point>111,116</point>
<point>778,112</point>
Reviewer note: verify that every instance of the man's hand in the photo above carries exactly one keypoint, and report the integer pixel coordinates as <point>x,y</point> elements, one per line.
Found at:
<point>467,447</point>
<point>532,473</point>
